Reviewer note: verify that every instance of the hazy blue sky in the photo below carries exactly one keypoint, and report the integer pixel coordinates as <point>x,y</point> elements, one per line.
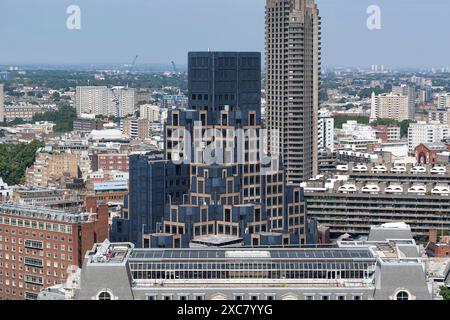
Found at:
<point>414,33</point>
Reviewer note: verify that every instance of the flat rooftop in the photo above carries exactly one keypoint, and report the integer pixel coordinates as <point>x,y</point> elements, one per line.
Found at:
<point>44,213</point>
<point>250,253</point>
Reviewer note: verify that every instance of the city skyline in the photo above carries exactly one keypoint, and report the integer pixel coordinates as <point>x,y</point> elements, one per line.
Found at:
<point>347,40</point>
<point>224,177</point>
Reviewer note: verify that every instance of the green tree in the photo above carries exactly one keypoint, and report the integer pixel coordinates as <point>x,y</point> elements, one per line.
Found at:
<point>16,122</point>
<point>385,122</point>
<point>63,118</point>
<point>404,127</point>
<point>15,159</point>
<point>56,96</point>
<point>367,92</point>
<point>445,292</point>
<point>387,88</point>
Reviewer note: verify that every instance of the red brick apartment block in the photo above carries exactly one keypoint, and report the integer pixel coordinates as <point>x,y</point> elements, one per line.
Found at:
<point>38,245</point>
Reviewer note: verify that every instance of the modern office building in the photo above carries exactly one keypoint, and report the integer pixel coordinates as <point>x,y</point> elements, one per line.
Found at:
<point>349,206</point>
<point>38,245</point>
<point>229,190</point>
<point>423,132</point>
<point>239,193</point>
<point>154,184</point>
<point>293,45</point>
<point>387,266</point>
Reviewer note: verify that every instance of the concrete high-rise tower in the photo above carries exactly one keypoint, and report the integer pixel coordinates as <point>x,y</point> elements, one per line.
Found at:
<point>292,83</point>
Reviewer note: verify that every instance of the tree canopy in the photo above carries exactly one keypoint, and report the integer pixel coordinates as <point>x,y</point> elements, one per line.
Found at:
<point>15,159</point>
<point>445,292</point>
<point>63,118</point>
<point>367,92</point>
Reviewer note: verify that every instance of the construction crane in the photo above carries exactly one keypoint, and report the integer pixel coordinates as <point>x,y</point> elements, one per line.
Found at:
<point>116,100</point>
<point>115,91</point>
<point>180,83</point>
<point>174,67</point>
<point>130,69</point>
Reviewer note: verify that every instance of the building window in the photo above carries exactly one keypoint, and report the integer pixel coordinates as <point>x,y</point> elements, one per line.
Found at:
<point>167,297</point>
<point>357,297</point>
<point>402,296</point>
<point>252,119</point>
<point>199,297</point>
<point>104,295</point>
<point>340,297</point>
<point>254,297</point>
<point>309,297</point>
<point>239,297</point>
<point>151,298</point>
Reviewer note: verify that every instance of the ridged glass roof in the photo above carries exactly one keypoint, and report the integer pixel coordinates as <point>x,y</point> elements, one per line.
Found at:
<point>239,254</point>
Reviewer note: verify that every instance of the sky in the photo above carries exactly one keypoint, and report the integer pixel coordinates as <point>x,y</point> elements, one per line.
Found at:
<point>414,33</point>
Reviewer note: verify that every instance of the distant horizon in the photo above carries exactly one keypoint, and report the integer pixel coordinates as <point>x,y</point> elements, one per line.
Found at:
<point>181,67</point>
